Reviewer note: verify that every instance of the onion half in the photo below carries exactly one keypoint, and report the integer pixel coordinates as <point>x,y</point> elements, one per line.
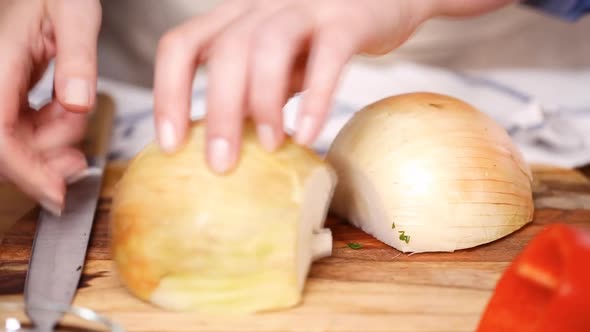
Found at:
<point>185,238</point>
<point>427,172</point>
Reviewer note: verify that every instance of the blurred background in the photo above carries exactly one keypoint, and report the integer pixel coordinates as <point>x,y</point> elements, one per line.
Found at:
<point>516,36</point>
<point>528,70</point>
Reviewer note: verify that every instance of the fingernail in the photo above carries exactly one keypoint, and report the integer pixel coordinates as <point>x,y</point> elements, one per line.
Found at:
<point>51,206</point>
<point>304,132</point>
<point>267,137</point>
<point>167,135</point>
<point>219,155</point>
<point>87,172</point>
<point>77,92</point>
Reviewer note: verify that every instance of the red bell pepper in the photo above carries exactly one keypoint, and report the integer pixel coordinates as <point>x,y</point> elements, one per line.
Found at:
<point>546,288</point>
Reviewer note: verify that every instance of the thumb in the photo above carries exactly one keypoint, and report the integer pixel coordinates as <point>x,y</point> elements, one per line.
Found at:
<point>76,24</point>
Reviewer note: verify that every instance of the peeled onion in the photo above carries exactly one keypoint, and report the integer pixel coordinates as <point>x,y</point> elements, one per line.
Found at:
<point>427,172</point>
<point>184,238</point>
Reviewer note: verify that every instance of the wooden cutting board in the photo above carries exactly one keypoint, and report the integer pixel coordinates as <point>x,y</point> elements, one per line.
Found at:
<point>375,288</point>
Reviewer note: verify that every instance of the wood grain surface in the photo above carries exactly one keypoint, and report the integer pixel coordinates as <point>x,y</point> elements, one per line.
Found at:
<point>375,288</point>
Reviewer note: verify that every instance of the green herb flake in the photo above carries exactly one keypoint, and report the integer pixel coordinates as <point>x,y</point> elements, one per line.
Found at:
<point>393,225</point>
<point>354,245</point>
<point>404,237</point>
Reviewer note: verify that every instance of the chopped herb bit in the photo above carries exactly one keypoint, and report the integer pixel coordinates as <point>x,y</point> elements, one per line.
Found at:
<point>393,225</point>
<point>354,245</point>
<point>404,237</point>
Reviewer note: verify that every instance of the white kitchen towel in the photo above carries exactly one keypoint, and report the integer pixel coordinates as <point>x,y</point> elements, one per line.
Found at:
<point>547,112</point>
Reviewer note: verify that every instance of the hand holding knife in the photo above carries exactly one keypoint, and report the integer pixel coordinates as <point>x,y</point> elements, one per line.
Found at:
<point>59,247</point>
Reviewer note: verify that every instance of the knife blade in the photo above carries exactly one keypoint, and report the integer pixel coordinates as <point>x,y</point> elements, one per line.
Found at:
<point>60,243</point>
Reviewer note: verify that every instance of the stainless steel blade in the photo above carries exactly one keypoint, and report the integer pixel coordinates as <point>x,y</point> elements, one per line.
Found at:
<point>59,251</point>
<point>59,248</point>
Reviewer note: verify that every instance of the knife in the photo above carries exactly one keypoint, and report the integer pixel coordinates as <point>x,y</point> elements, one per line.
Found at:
<point>60,243</point>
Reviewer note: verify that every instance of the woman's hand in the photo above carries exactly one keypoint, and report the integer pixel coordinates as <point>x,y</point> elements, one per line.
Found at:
<point>35,147</point>
<point>258,52</point>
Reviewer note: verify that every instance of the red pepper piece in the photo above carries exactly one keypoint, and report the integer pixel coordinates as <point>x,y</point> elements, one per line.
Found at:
<point>546,288</point>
